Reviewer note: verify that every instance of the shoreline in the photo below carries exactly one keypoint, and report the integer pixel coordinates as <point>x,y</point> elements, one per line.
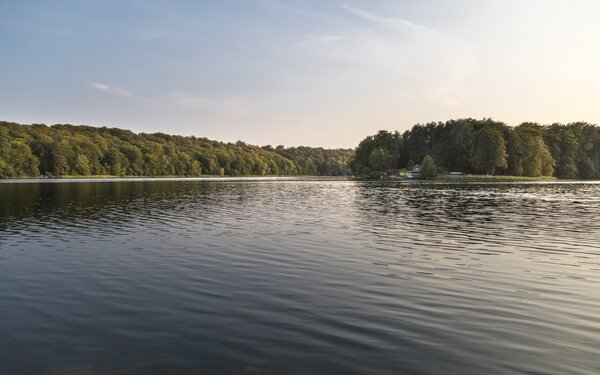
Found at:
<point>475,178</point>
<point>105,178</point>
<point>439,179</point>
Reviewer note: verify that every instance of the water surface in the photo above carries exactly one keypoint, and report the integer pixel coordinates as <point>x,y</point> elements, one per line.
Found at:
<point>298,276</point>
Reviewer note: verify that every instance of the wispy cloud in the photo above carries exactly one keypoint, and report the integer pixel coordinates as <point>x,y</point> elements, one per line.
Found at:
<point>389,21</point>
<point>111,90</point>
<point>325,38</point>
<point>442,96</point>
<point>190,101</point>
<point>182,101</point>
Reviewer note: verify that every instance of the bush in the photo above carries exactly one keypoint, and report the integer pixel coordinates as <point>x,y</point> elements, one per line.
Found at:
<point>428,168</point>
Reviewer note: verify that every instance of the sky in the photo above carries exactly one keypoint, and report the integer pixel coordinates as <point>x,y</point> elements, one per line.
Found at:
<point>314,73</point>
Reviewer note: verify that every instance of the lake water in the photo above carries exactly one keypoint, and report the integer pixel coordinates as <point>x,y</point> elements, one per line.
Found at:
<point>299,276</point>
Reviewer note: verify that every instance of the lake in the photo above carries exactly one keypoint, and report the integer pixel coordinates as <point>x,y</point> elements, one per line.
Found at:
<point>299,276</point>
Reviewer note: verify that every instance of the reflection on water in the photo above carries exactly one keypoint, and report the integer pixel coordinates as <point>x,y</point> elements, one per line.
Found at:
<point>299,276</point>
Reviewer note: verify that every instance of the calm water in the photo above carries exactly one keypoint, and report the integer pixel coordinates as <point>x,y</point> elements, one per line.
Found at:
<point>287,276</point>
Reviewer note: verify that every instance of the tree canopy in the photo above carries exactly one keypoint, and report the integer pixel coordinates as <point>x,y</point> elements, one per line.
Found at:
<point>428,168</point>
<point>488,150</point>
<point>486,146</point>
<point>464,145</point>
<point>60,150</point>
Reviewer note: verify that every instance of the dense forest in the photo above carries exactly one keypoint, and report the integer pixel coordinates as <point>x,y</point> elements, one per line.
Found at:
<point>486,147</point>
<point>464,145</point>
<point>67,150</point>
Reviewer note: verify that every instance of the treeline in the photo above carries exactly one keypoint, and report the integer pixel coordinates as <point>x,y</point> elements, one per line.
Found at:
<point>317,161</point>
<point>486,147</point>
<point>67,150</point>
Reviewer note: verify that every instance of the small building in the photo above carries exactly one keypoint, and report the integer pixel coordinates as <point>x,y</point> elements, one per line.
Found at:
<point>414,173</point>
<point>390,174</point>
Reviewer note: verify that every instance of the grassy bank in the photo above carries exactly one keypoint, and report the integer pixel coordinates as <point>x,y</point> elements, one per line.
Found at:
<point>472,177</point>
<point>93,177</point>
<point>466,178</point>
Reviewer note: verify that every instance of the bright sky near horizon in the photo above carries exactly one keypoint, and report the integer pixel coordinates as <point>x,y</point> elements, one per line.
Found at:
<point>317,73</point>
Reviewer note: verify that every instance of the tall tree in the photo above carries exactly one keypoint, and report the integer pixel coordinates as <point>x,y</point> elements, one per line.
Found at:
<point>530,156</point>
<point>488,151</point>
<point>428,168</point>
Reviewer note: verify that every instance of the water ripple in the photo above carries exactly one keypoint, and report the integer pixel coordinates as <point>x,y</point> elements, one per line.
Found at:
<point>294,276</point>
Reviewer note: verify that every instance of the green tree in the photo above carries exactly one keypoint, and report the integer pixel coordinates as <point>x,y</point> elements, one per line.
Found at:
<point>567,166</point>
<point>377,153</point>
<point>82,165</point>
<point>488,151</point>
<point>528,153</point>
<point>21,160</point>
<point>428,168</point>
<point>380,159</point>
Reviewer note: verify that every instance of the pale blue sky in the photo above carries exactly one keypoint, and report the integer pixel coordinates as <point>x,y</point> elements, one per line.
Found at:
<point>318,73</point>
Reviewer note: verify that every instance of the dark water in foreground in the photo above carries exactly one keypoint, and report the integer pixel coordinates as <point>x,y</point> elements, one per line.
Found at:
<point>299,277</point>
